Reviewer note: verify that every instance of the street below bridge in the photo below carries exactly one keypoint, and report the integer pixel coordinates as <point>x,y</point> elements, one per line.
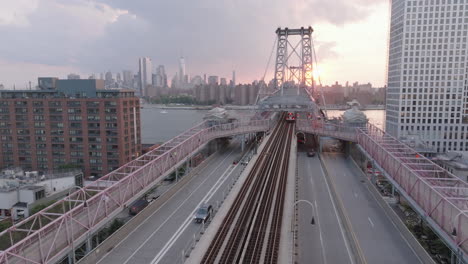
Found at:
<point>163,236</point>
<point>377,237</point>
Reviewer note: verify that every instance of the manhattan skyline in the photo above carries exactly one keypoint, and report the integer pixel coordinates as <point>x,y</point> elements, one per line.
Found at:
<point>112,35</point>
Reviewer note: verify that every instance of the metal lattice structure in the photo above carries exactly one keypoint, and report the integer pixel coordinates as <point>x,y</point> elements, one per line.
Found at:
<point>50,234</point>
<point>326,129</point>
<point>440,197</point>
<point>285,53</point>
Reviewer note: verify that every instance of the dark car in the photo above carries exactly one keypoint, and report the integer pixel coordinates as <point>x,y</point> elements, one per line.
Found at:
<point>203,213</point>
<point>311,153</point>
<point>138,206</point>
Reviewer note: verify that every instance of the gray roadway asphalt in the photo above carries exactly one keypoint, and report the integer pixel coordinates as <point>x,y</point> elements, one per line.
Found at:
<point>162,237</point>
<point>379,240</point>
<point>323,242</point>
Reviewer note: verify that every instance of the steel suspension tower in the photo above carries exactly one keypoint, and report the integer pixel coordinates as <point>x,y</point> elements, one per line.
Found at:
<point>288,53</point>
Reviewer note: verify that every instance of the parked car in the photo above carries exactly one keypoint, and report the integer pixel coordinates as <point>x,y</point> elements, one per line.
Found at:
<point>138,206</point>
<point>311,153</point>
<point>203,213</point>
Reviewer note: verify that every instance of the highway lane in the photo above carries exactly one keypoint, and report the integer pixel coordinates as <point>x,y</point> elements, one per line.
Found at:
<point>325,241</point>
<point>379,239</point>
<point>162,237</point>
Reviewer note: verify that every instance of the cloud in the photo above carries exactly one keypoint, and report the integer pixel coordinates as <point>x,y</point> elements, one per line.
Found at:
<point>215,36</point>
<point>30,71</point>
<point>15,13</point>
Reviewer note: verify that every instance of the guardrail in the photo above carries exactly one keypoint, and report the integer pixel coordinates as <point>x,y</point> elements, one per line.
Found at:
<point>51,233</point>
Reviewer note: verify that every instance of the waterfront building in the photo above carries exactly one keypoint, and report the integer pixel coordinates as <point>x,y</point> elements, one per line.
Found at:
<point>144,74</point>
<point>73,76</point>
<point>69,122</point>
<point>427,94</point>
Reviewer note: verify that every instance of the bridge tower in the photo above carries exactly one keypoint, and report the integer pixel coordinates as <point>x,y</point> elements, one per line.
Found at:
<point>292,86</point>
<point>288,53</point>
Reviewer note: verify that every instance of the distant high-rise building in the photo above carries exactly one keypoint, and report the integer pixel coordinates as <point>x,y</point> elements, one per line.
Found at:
<point>213,80</point>
<point>144,73</point>
<point>196,80</point>
<point>101,76</point>
<point>2,87</point>
<point>223,81</point>
<point>160,78</point>
<point>175,81</point>
<point>233,78</point>
<point>182,72</point>
<point>109,80</point>
<point>73,76</point>
<point>92,77</point>
<point>118,77</point>
<point>127,77</point>
<point>427,93</point>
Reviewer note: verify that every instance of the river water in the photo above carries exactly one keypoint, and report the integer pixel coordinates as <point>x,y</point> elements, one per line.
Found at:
<point>158,126</point>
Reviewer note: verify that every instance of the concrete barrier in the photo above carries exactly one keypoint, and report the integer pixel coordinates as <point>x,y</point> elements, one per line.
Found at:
<point>397,222</point>
<point>109,243</point>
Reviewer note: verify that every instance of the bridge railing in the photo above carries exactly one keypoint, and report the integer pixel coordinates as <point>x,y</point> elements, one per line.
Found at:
<point>442,196</point>
<point>324,128</point>
<point>53,231</point>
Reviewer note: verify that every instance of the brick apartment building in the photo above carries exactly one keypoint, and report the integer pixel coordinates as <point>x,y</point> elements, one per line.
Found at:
<point>69,123</point>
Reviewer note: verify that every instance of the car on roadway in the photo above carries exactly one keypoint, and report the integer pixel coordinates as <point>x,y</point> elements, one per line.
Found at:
<point>138,206</point>
<point>311,153</point>
<point>203,213</point>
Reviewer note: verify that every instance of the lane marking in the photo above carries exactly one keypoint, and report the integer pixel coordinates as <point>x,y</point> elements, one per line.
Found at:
<point>337,218</point>
<point>226,175</point>
<point>175,211</point>
<point>370,221</point>
<point>356,167</point>
<point>316,211</point>
<point>157,210</point>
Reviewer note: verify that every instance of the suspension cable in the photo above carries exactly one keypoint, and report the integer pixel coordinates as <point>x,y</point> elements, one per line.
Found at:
<point>266,69</point>
<point>319,79</point>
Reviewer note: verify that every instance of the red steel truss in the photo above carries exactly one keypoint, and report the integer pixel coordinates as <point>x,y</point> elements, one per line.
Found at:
<point>326,129</point>
<point>49,234</point>
<point>442,196</point>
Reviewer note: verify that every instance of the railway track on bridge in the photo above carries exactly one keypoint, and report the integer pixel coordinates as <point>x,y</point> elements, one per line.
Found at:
<point>250,232</point>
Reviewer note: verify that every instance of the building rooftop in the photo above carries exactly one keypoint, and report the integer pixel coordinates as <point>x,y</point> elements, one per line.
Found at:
<point>77,88</point>
<point>16,178</point>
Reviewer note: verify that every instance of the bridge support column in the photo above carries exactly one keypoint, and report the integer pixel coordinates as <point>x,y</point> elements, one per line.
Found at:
<point>89,245</point>
<point>71,257</point>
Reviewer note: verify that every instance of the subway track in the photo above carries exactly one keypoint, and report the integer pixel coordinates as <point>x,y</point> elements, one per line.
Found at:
<point>250,232</point>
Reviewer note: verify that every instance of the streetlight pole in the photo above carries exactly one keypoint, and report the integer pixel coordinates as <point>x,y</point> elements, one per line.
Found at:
<point>311,206</point>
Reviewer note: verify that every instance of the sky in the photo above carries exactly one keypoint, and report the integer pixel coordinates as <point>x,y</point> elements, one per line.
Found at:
<point>58,37</point>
